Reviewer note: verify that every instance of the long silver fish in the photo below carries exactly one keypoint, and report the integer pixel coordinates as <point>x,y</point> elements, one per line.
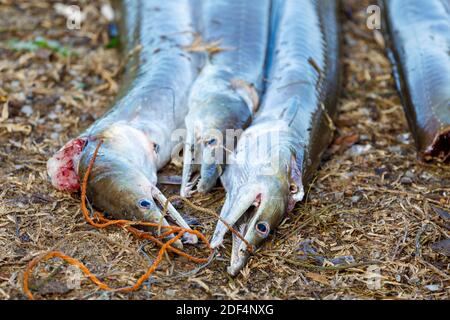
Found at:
<point>418,38</point>
<point>226,94</point>
<point>281,150</point>
<point>137,132</point>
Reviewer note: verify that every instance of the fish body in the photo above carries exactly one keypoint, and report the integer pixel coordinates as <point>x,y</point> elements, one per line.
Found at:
<point>226,93</point>
<point>280,152</point>
<point>418,34</point>
<point>137,131</point>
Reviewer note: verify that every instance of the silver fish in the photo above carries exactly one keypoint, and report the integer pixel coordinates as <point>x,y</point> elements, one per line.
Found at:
<point>226,94</point>
<point>279,153</point>
<point>137,131</point>
<point>418,38</point>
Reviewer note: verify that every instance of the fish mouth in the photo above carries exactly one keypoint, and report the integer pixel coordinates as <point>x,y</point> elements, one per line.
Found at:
<point>175,216</point>
<point>153,213</point>
<point>191,176</point>
<point>240,253</point>
<point>201,169</point>
<point>198,182</point>
<point>239,209</point>
<point>242,215</point>
<point>191,169</point>
<point>254,209</point>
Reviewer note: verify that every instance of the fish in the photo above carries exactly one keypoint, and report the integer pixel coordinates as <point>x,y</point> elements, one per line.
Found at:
<point>418,44</point>
<point>225,96</point>
<point>137,132</point>
<point>280,152</point>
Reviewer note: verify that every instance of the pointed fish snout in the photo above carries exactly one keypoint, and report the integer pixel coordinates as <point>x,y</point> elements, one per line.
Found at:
<point>253,209</point>
<point>208,177</point>
<point>238,262</point>
<point>235,206</point>
<point>201,164</point>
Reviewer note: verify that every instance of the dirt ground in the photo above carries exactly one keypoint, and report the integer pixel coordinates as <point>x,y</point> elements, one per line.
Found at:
<point>366,230</point>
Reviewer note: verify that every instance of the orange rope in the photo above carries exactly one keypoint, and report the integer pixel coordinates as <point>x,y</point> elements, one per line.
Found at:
<point>128,226</point>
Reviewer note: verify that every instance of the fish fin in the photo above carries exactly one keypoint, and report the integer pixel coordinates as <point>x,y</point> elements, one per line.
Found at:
<point>290,111</point>
<point>247,92</point>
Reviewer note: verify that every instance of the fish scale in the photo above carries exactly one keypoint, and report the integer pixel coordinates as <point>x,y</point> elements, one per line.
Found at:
<point>239,26</point>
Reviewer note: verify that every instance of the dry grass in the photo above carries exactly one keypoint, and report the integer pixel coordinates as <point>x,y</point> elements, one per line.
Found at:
<point>372,200</point>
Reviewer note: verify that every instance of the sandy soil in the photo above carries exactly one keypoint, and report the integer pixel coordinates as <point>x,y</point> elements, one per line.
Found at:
<point>372,203</point>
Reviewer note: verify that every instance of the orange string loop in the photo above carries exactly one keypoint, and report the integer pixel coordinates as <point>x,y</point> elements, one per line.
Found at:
<point>129,226</point>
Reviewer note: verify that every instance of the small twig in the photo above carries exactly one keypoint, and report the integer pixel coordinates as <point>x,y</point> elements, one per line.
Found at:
<point>417,241</point>
<point>142,252</point>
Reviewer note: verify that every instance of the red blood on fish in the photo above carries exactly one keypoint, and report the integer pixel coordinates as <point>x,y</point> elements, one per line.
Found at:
<point>62,167</point>
<point>258,199</point>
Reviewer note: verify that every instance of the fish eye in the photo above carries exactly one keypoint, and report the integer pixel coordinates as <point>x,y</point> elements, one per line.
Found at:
<point>293,188</point>
<point>145,204</point>
<point>263,229</point>
<point>211,142</point>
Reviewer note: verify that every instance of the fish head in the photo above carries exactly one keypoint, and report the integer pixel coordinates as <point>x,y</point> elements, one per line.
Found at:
<point>254,209</point>
<point>255,204</point>
<point>117,187</point>
<point>210,136</point>
<point>121,189</point>
<point>123,178</point>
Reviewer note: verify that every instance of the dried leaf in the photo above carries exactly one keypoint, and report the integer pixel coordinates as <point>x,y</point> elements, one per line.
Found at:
<point>5,113</point>
<point>318,278</point>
